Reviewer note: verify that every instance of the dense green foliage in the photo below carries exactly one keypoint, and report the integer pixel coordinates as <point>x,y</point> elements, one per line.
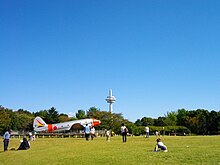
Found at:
<point>136,151</point>
<point>198,121</point>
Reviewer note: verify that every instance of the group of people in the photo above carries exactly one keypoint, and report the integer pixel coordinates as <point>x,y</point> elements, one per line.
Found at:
<point>159,144</point>
<point>24,145</point>
<point>147,131</point>
<point>89,131</point>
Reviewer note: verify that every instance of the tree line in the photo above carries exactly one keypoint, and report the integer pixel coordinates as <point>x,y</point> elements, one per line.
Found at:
<point>200,121</point>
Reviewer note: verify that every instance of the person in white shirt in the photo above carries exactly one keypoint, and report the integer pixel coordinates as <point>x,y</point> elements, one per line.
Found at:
<point>30,136</point>
<point>157,133</point>
<point>108,134</point>
<point>6,138</point>
<point>147,130</point>
<point>124,132</point>
<point>92,131</point>
<point>160,145</point>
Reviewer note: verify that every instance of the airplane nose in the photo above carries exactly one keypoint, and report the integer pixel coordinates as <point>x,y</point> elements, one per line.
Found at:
<point>96,122</point>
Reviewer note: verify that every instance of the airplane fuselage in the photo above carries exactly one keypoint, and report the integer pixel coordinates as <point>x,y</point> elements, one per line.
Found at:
<point>66,126</point>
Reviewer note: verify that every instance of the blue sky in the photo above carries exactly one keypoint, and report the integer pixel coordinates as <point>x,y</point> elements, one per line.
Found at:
<point>157,56</point>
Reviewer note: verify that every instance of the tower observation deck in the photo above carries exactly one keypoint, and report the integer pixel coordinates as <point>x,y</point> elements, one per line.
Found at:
<point>110,99</point>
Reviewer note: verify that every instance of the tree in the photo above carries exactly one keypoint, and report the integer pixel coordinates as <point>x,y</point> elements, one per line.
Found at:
<point>181,117</point>
<point>192,121</point>
<point>147,121</point>
<point>49,116</point>
<point>138,122</point>
<point>53,115</point>
<point>4,120</point>
<point>213,122</point>
<point>63,117</point>
<point>203,116</point>
<point>42,114</point>
<point>22,111</point>
<point>93,112</point>
<point>24,121</point>
<point>159,121</point>
<point>170,118</point>
<point>81,114</point>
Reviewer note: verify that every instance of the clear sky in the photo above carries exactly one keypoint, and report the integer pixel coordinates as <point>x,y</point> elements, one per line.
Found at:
<point>156,55</point>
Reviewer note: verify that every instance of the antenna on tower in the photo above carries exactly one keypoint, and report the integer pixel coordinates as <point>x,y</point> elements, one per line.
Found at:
<point>110,99</point>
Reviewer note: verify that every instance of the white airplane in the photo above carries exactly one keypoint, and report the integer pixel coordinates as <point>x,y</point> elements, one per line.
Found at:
<point>40,126</point>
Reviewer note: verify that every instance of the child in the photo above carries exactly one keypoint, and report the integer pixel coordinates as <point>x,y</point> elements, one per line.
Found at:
<point>160,145</point>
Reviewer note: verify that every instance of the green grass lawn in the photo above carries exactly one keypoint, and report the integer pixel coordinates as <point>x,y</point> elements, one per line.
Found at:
<point>137,150</point>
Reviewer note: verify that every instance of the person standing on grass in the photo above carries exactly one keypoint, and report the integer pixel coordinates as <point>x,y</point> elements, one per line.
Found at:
<point>124,132</point>
<point>30,136</point>
<point>34,135</point>
<point>92,132</point>
<point>6,138</point>
<point>147,131</point>
<point>108,134</point>
<point>87,132</point>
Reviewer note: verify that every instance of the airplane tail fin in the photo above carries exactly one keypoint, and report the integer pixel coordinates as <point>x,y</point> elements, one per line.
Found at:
<point>39,122</point>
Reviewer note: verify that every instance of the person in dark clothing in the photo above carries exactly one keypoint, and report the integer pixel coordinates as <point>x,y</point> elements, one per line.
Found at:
<point>24,145</point>
<point>124,132</point>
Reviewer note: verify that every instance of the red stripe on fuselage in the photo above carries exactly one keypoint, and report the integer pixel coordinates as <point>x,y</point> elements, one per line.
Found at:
<point>50,128</point>
<point>96,122</point>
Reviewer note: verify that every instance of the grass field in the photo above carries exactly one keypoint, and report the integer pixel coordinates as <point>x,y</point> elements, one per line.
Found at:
<point>137,150</point>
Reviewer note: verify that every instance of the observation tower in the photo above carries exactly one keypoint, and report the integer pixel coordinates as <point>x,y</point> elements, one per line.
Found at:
<point>110,99</point>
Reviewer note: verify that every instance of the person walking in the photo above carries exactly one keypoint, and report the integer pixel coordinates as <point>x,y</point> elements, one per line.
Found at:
<point>6,138</point>
<point>124,132</point>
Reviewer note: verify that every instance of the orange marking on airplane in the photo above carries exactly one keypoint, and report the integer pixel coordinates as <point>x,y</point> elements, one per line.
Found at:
<point>50,129</point>
<point>39,123</point>
<point>96,122</point>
